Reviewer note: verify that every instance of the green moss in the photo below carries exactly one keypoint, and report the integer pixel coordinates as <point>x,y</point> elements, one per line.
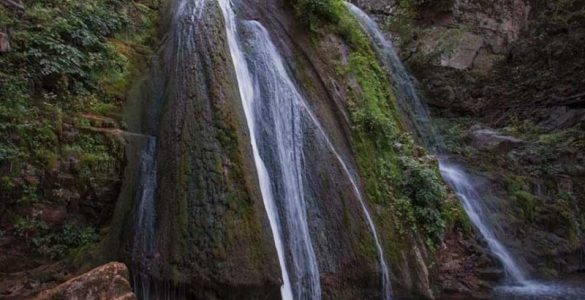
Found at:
<point>408,189</point>
<point>68,59</point>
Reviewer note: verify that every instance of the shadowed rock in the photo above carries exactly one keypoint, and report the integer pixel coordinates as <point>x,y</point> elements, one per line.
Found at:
<point>489,140</point>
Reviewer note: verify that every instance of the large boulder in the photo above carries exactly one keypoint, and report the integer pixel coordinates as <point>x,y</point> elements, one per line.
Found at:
<point>107,282</point>
<point>464,52</point>
<point>487,139</point>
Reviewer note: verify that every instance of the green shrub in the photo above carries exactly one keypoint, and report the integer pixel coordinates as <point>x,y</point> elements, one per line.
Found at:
<point>69,58</point>
<point>424,187</point>
<point>53,243</point>
<point>59,243</point>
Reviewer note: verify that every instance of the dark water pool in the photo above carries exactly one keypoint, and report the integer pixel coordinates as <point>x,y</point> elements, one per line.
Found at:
<point>567,289</point>
<point>570,288</point>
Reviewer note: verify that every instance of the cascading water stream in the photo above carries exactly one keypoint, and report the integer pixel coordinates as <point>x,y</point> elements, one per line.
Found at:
<point>268,63</point>
<point>273,108</point>
<point>414,108</point>
<point>386,284</point>
<point>143,244</point>
<point>246,89</point>
<point>467,192</point>
<point>452,174</point>
<point>280,141</point>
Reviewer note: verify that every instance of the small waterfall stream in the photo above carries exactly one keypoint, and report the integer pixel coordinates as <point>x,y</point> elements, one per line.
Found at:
<point>471,199</point>
<point>414,108</point>
<point>144,218</point>
<point>453,175</point>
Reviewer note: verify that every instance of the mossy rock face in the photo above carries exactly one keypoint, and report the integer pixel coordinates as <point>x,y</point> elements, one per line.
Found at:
<point>211,230</point>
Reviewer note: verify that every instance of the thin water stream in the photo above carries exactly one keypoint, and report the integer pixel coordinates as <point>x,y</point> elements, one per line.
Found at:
<point>144,218</point>
<point>453,175</point>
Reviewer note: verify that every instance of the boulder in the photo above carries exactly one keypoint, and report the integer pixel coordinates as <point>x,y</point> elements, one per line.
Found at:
<point>107,282</point>
<point>487,139</point>
<point>464,53</point>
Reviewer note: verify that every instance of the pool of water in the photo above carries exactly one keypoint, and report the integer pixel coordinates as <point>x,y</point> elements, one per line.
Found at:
<point>573,289</point>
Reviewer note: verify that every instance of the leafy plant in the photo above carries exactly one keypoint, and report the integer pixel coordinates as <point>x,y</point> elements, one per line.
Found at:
<point>58,243</point>
<point>426,191</point>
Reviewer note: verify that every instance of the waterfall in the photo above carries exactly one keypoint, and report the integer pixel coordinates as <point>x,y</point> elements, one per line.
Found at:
<point>246,89</point>
<point>144,218</point>
<point>269,67</point>
<point>453,175</point>
<point>274,109</point>
<point>279,139</point>
<point>467,193</point>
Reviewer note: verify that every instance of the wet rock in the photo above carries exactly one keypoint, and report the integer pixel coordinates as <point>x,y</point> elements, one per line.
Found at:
<point>4,43</point>
<point>489,140</point>
<point>106,282</point>
<point>491,274</point>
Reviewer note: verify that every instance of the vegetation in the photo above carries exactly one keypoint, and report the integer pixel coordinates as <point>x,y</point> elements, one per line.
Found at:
<point>61,86</point>
<point>53,242</point>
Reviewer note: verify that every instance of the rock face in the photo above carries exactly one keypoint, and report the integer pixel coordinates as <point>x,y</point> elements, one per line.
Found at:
<point>212,234</point>
<point>489,140</point>
<point>465,52</point>
<point>478,32</point>
<point>458,34</point>
<point>107,282</point>
<point>463,264</point>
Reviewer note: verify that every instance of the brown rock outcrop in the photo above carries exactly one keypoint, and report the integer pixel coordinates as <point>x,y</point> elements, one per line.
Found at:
<point>107,282</point>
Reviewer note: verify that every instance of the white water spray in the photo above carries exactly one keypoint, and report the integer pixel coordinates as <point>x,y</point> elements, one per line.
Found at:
<point>471,200</point>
